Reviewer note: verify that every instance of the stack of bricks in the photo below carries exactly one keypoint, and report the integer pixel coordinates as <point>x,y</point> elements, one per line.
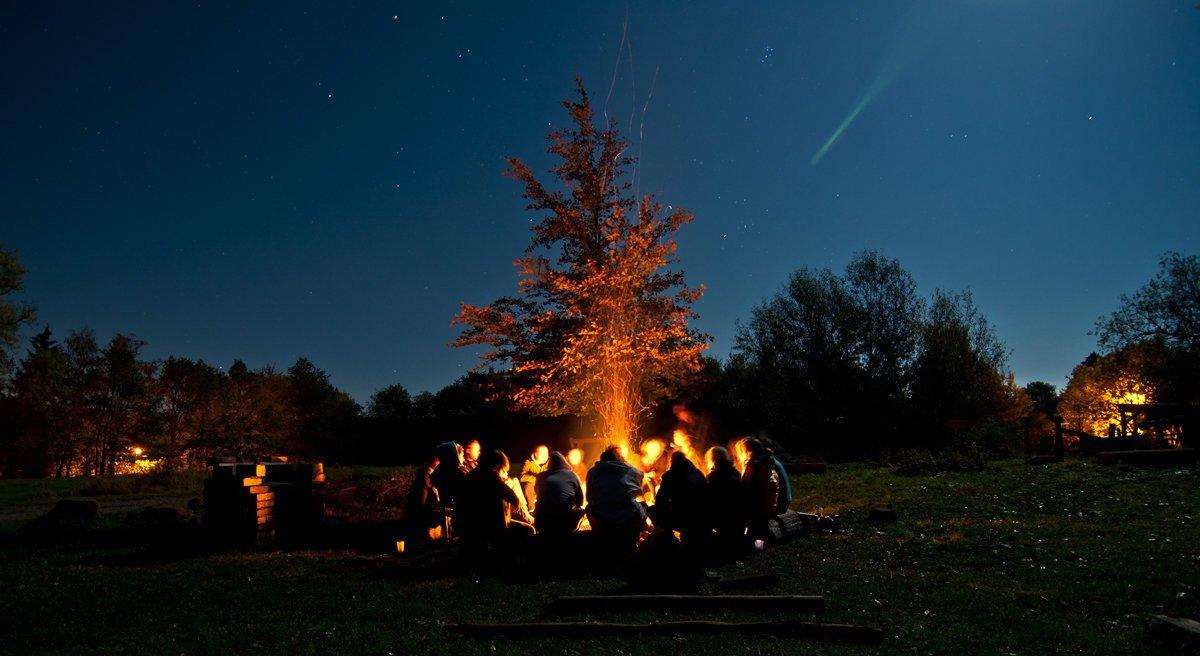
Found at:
<point>249,503</point>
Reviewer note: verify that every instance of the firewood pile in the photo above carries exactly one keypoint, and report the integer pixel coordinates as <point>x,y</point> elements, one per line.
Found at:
<point>791,525</point>
<point>250,503</point>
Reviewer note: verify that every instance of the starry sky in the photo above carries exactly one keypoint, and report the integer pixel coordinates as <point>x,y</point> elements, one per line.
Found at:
<point>269,180</point>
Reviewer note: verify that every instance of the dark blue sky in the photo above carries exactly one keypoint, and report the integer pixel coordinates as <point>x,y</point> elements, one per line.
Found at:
<point>272,181</point>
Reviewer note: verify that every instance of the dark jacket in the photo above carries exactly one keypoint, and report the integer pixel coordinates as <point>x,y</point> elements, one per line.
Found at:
<point>680,502</point>
<point>484,507</point>
<point>559,494</point>
<point>612,490</point>
<point>422,499</point>
<point>726,512</point>
<point>760,487</point>
<point>450,472</point>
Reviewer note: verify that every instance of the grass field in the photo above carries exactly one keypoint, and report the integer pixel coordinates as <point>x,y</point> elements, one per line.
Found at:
<point>1068,558</point>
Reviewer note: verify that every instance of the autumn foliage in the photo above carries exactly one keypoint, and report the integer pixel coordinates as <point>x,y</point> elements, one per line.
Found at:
<point>599,326</point>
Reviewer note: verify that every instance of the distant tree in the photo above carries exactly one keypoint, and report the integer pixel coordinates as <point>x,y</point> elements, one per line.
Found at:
<point>41,394</point>
<point>1100,382</point>
<point>187,405</point>
<point>255,419</point>
<point>324,417</point>
<point>827,347</point>
<point>1044,397</point>
<point>13,316</point>
<point>1159,326</point>
<point>423,408</point>
<point>392,403</point>
<point>960,375</point>
<point>600,326</point>
<point>1165,310</point>
<point>852,364</point>
<point>114,397</point>
<point>388,428</point>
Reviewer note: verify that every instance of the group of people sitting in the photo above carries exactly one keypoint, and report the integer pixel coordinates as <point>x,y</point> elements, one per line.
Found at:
<point>494,512</point>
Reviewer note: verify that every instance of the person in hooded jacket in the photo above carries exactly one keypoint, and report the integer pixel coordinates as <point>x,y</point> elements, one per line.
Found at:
<point>760,486</point>
<point>560,499</point>
<point>613,509</point>
<point>681,499</point>
<point>727,516</point>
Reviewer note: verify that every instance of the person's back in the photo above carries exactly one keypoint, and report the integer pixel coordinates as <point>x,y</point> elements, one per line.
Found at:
<point>484,505</point>
<point>560,497</point>
<point>725,508</point>
<point>760,489</point>
<point>612,489</point>
<point>616,516</point>
<point>422,501</point>
<point>449,474</point>
<point>681,499</point>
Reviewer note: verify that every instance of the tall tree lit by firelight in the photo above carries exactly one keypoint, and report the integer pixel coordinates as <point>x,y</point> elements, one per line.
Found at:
<point>600,324</point>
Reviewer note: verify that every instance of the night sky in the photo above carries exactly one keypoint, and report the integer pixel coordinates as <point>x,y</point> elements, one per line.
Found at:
<point>270,181</point>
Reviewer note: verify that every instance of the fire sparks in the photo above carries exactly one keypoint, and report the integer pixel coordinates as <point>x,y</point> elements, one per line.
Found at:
<point>683,442</point>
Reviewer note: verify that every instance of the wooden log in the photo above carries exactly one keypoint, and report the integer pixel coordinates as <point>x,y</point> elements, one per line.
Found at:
<point>585,603</point>
<point>1151,457</point>
<point>258,489</point>
<point>1181,630</point>
<point>749,581</point>
<point>848,633</point>
<point>252,481</point>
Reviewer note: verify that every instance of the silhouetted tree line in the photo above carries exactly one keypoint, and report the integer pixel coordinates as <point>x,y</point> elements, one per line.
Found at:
<point>844,365</point>
<point>80,407</point>
<point>857,364</point>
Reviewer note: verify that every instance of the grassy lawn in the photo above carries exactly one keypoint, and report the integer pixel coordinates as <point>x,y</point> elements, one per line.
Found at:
<point>1068,558</point>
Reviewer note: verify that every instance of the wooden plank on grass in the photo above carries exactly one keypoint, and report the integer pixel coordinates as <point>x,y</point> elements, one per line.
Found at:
<point>784,629</point>
<point>584,603</point>
<point>749,581</point>
<point>1181,626</point>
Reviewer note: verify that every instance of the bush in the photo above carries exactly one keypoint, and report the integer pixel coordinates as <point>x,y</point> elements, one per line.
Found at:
<point>960,455</point>
<point>912,462</point>
<point>994,439</point>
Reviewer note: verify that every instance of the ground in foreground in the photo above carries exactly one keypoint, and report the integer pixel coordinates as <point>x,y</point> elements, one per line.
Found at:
<point>1067,558</point>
